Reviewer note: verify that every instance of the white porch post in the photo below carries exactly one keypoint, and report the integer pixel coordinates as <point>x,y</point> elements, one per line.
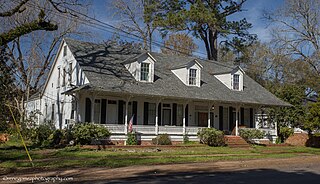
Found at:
<point>77,103</point>
<point>237,121</point>
<point>209,118</point>
<point>184,119</point>
<point>126,116</point>
<point>157,117</point>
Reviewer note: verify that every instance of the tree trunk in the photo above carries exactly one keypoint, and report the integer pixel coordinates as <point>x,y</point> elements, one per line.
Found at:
<point>213,37</point>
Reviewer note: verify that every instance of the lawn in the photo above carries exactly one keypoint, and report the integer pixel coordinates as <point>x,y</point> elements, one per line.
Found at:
<point>13,155</point>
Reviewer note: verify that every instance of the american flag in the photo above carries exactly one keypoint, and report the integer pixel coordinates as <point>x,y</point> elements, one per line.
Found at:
<point>130,129</point>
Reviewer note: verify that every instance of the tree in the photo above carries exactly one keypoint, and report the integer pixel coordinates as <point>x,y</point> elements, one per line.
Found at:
<point>312,122</point>
<point>290,116</point>
<point>29,50</point>
<point>136,18</point>
<point>297,30</point>
<point>179,44</point>
<point>207,20</point>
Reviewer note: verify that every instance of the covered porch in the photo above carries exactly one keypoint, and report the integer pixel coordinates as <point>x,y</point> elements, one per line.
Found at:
<point>164,115</point>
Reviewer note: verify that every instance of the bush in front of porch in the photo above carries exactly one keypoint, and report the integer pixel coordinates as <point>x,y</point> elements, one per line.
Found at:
<point>211,137</point>
<point>162,139</point>
<point>250,134</point>
<point>84,133</point>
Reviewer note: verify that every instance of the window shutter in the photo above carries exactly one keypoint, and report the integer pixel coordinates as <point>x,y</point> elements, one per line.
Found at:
<point>174,114</point>
<point>251,118</point>
<point>159,114</point>
<point>231,124</point>
<point>145,113</point>
<point>220,118</point>
<point>103,111</point>
<point>88,110</point>
<point>120,112</point>
<point>187,115</point>
<point>134,111</point>
<point>241,116</point>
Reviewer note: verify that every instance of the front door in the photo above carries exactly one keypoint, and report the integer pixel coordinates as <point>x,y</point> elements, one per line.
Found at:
<point>166,117</point>
<point>203,119</point>
<point>112,112</point>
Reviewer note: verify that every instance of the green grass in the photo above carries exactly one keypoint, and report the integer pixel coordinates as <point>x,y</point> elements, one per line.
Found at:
<point>13,155</point>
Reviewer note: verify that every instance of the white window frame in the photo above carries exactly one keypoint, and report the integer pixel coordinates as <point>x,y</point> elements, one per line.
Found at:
<point>192,79</point>
<point>236,82</point>
<point>144,70</point>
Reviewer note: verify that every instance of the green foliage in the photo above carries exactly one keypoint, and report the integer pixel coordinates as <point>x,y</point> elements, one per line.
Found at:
<point>132,139</point>
<point>211,137</point>
<point>39,134</point>
<point>290,116</point>
<point>84,133</point>
<point>312,122</point>
<point>249,134</point>
<point>186,139</point>
<point>204,18</point>
<point>162,139</point>
<point>285,133</point>
<point>4,127</point>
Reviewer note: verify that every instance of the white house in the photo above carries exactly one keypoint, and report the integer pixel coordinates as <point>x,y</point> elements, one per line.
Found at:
<point>108,84</point>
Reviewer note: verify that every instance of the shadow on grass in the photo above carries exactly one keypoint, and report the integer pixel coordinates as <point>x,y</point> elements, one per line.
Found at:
<point>254,176</point>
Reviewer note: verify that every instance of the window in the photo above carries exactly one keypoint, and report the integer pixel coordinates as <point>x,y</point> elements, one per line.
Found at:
<point>192,77</point>
<point>236,82</point>
<point>65,50</point>
<point>64,77</point>
<point>70,73</point>
<point>144,72</point>
<point>59,73</point>
<point>52,112</point>
<point>151,114</point>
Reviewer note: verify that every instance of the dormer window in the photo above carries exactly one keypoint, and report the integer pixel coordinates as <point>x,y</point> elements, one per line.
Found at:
<point>144,72</point>
<point>236,82</point>
<point>193,77</point>
<point>64,51</point>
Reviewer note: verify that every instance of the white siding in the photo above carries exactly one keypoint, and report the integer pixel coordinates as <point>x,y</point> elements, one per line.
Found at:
<point>227,79</point>
<point>183,73</point>
<point>52,92</point>
<point>135,67</point>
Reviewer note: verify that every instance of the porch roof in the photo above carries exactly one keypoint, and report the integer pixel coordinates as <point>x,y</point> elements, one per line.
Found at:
<point>103,66</point>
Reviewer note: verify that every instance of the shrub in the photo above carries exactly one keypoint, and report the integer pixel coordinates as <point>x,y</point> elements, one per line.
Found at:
<point>56,137</point>
<point>84,133</point>
<point>249,134</point>
<point>132,139</point>
<point>211,137</point>
<point>284,133</point>
<point>40,134</point>
<point>4,127</point>
<point>162,139</point>
<point>186,139</point>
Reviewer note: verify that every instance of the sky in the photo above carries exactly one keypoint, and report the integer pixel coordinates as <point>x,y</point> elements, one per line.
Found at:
<point>253,12</point>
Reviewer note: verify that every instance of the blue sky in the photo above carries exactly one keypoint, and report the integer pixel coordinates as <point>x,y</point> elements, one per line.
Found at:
<point>253,12</point>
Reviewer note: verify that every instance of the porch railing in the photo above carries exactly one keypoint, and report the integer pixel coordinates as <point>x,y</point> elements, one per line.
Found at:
<point>115,129</point>
<point>267,131</point>
<point>150,129</point>
<point>170,130</point>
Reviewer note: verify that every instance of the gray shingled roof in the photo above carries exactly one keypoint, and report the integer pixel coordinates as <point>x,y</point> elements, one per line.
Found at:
<point>103,66</point>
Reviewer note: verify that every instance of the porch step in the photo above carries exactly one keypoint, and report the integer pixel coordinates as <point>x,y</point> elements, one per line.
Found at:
<point>236,142</point>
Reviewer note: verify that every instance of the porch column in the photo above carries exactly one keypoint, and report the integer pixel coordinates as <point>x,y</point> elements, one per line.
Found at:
<point>237,121</point>
<point>184,119</point>
<point>92,108</point>
<point>126,116</point>
<point>77,103</point>
<point>157,117</point>
<point>209,118</point>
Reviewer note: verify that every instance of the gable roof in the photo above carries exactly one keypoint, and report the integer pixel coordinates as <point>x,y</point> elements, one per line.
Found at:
<point>104,68</point>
